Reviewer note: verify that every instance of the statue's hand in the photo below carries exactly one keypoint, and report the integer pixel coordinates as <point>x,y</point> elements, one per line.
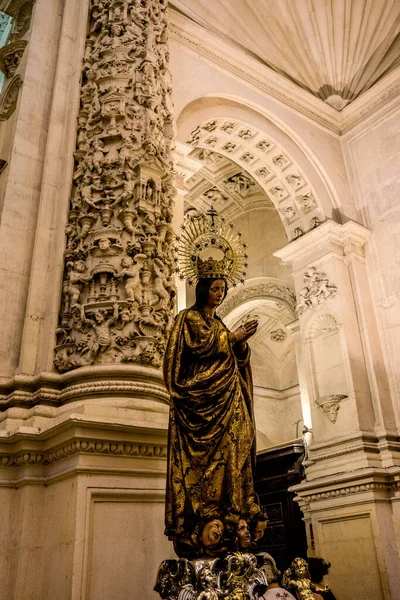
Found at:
<point>244,332</point>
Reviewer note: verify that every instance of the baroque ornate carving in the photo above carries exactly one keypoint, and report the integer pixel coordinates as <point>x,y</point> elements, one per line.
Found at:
<point>9,98</point>
<point>236,576</point>
<point>330,404</point>
<point>257,290</point>
<point>10,57</point>
<point>118,291</point>
<point>317,290</point>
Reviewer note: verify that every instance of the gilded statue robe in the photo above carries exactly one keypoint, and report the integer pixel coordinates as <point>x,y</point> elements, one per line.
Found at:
<point>211,446</point>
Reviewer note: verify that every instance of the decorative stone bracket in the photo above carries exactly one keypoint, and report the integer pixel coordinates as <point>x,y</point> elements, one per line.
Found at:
<point>330,404</point>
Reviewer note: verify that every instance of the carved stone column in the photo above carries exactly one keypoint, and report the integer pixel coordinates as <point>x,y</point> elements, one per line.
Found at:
<point>118,290</point>
<point>350,495</point>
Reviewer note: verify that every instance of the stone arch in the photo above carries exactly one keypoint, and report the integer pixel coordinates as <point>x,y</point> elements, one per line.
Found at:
<point>288,173</point>
<point>273,300</point>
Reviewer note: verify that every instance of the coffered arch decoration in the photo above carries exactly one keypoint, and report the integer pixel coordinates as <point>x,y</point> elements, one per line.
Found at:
<point>260,174</point>
<point>273,353</point>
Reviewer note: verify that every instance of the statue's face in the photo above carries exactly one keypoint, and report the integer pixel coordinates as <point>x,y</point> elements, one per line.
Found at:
<point>212,533</point>
<point>243,535</point>
<point>300,568</point>
<point>216,293</point>
<point>207,578</point>
<point>259,530</point>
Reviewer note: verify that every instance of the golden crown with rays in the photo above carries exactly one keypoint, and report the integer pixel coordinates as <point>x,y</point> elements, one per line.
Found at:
<point>209,247</point>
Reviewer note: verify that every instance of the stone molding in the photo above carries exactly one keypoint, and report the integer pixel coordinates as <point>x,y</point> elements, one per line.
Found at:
<point>353,484</point>
<point>131,381</point>
<point>253,290</point>
<point>361,443</point>
<point>82,446</point>
<point>349,237</point>
<point>252,71</point>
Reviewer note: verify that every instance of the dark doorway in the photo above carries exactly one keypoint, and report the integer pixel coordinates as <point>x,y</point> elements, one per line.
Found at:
<point>277,469</point>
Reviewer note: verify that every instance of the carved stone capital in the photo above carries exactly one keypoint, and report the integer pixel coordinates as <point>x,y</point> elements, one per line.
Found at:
<point>330,404</point>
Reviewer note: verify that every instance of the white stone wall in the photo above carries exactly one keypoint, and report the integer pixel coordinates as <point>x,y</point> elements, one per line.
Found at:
<point>372,154</point>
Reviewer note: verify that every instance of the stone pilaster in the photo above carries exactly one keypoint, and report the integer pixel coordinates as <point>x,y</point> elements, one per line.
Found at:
<point>350,495</point>
<point>118,291</point>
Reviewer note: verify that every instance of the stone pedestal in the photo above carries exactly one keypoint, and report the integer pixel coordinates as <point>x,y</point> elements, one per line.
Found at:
<point>82,491</point>
<point>349,497</point>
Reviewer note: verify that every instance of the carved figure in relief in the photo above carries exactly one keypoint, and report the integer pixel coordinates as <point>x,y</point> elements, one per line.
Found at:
<point>98,156</point>
<point>307,201</point>
<point>163,285</point>
<point>75,282</point>
<point>86,190</point>
<point>208,585</point>
<point>318,289</point>
<point>101,325</point>
<point>239,183</point>
<point>131,271</point>
<point>89,92</point>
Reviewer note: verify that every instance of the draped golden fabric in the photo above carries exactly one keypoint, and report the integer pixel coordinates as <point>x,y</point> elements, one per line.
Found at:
<point>211,447</point>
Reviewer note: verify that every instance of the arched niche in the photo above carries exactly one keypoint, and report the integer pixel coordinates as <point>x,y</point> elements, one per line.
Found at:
<point>328,361</point>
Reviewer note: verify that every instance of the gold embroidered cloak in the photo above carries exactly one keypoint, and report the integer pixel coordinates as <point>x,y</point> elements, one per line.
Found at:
<point>211,446</point>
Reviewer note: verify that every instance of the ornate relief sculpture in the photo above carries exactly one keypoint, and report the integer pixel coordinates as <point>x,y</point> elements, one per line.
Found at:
<point>118,292</point>
<point>317,290</point>
<point>235,577</point>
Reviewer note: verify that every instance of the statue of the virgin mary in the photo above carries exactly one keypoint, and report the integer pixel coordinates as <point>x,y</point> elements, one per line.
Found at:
<point>211,446</point>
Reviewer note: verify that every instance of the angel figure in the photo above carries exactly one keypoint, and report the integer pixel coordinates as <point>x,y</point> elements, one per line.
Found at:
<point>131,271</point>
<point>163,285</point>
<point>208,583</point>
<point>296,578</point>
<point>74,284</point>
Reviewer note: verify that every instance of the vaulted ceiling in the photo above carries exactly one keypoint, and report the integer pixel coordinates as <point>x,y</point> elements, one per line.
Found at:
<point>335,49</point>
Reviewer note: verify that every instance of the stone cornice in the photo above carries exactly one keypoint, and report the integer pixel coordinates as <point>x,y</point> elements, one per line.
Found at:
<point>130,381</point>
<point>329,232</point>
<point>250,70</point>
<point>79,435</point>
<point>344,485</point>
